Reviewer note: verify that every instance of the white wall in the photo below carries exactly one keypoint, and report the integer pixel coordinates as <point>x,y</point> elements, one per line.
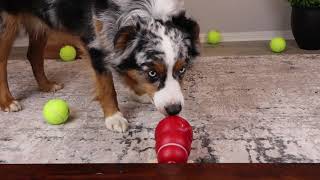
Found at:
<point>241,15</point>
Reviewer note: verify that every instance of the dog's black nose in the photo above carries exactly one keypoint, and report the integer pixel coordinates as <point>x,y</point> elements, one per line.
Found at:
<point>173,109</point>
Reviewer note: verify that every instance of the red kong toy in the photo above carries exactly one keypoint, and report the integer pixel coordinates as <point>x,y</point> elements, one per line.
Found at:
<point>173,140</point>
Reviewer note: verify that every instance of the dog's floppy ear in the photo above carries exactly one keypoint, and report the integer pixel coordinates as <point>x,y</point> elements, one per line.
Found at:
<point>192,28</point>
<point>124,36</point>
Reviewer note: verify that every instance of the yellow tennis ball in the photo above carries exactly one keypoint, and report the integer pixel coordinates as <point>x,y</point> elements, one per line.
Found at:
<point>56,112</point>
<point>214,37</point>
<point>68,53</point>
<point>278,44</point>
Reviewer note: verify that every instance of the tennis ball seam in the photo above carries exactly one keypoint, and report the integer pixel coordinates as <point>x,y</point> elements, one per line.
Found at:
<point>59,115</point>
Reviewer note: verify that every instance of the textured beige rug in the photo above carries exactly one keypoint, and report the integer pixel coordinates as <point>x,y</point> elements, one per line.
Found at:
<point>243,109</point>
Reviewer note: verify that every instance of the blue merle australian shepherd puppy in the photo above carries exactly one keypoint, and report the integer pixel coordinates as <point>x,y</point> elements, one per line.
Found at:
<point>149,43</point>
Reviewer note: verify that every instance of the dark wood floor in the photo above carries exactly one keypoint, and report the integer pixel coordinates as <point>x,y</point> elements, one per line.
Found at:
<point>152,171</point>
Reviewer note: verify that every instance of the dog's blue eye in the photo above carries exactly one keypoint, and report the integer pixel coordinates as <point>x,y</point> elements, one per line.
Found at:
<point>182,71</point>
<point>153,74</point>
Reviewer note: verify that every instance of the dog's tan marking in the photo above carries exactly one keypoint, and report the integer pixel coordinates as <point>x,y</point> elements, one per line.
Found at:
<point>107,97</point>
<point>34,25</point>
<point>7,37</point>
<point>98,26</point>
<point>139,84</point>
<point>37,42</point>
<point>179,65</point>
<point>36,58</point>
<point>106,94</point>
<point>123,38</point>
<point>160,68</point>
<point>122,42</point>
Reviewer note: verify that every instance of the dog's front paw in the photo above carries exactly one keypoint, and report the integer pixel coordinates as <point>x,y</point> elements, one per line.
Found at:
<point>117,123</point>
<point>14,106</point>
<point>56,87</point>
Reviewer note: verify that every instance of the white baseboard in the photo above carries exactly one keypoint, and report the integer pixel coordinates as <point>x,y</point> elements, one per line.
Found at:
<point>251,36</point>
<point>227,37</point>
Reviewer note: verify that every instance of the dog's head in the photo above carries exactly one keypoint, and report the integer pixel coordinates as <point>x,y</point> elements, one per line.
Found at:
<point>153,57</point>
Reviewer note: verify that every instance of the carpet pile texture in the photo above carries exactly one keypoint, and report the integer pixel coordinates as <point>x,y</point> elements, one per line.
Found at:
<point>242,109</point>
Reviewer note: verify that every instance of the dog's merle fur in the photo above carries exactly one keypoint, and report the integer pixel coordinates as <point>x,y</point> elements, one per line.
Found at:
<point>133,36</point>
